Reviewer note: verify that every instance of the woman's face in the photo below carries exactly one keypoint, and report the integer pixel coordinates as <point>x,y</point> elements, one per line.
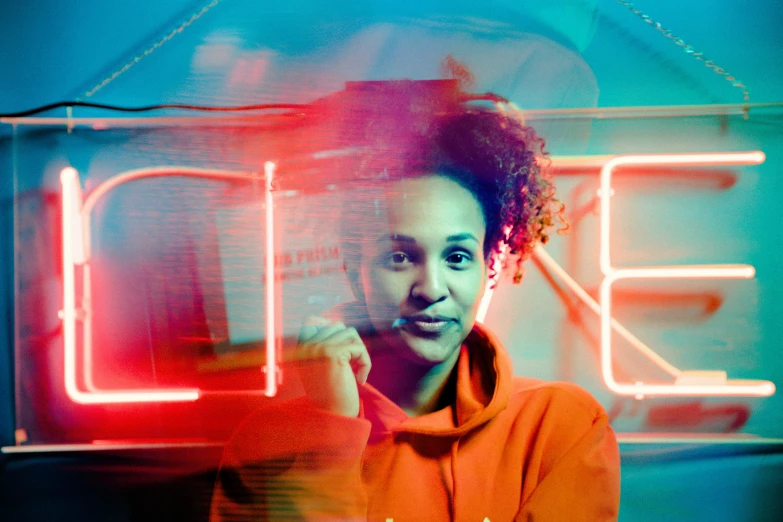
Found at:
<point>422,270</point>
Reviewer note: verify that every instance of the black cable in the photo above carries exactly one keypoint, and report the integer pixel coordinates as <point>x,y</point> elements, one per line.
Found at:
<point>44,108</point>
<point>491,97</point>
<point>206,108</point>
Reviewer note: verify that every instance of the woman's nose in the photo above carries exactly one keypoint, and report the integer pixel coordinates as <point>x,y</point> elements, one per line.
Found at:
<point>430,285</point>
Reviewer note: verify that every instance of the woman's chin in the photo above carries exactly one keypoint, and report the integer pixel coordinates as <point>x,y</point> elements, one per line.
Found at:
<point>420,347</point>
<point>427,351</point>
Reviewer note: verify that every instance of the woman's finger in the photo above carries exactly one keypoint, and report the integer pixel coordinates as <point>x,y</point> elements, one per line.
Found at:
<point>325,332</point>
<point>348,344</point>
<point>311,326</point>
<point>307,332</point>
<point>328,343</point>
<point>362,364</point>
<point>317,320</point>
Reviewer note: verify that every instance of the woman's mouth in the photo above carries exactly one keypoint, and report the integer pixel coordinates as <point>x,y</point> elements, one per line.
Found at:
<point>429,326</point>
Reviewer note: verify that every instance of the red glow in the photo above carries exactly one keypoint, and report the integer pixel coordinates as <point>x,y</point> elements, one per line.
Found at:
<point>73,250</point>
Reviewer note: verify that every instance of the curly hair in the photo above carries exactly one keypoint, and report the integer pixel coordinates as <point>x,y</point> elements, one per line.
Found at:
<point>501,161</point>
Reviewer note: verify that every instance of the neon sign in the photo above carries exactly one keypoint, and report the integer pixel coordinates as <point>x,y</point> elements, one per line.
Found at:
<point>76,252</point>
<point>687,382</point>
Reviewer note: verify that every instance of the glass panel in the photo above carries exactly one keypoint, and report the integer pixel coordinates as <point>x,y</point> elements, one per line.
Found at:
<point>176,271</point>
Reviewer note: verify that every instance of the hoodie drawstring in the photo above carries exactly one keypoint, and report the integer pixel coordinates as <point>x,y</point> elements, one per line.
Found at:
<point>454,447</point>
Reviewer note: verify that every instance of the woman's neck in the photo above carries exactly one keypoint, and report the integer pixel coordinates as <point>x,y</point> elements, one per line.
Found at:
<point>417,389</point>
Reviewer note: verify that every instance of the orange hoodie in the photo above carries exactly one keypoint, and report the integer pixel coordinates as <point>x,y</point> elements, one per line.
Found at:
<point>508,449</point>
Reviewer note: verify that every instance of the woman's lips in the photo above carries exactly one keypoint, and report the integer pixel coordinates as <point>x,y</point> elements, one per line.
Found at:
<point>422,326</point>
<point>431,327</point>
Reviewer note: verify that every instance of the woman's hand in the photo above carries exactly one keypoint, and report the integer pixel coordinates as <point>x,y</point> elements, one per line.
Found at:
<point>332,362</point>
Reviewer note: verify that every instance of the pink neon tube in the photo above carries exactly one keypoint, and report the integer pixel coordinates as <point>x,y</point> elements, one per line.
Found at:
<point>699,383</point>
<point>72,240</point>
<point>78,228</point>
<point>708,159</point>
<point>82,247</point>
<point>271,348</point>
<point>486,299</point>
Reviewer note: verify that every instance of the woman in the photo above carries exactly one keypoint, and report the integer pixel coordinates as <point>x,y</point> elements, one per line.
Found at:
<point>411,410</point>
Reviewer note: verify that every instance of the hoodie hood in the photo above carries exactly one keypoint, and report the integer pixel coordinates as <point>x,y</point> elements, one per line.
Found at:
<point>484,380</point>
<point>484,377</point>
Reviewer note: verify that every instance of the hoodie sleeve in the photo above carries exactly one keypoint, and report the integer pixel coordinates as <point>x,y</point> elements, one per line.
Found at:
<point>582,480</point>
<point>292,461</point>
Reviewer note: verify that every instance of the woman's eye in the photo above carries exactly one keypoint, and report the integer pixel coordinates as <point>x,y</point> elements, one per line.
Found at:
<point>459,258</point>
<point>397,258</point>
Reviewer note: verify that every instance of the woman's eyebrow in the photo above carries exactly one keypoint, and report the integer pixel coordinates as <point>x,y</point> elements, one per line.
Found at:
<point>397,237</point>
<point>461,237</point>
<point>455,238</point>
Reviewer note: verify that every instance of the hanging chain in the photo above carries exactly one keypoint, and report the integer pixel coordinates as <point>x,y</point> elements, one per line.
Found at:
<point>152,49</point>
<point>646,18</point>
<point>688,49</point>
